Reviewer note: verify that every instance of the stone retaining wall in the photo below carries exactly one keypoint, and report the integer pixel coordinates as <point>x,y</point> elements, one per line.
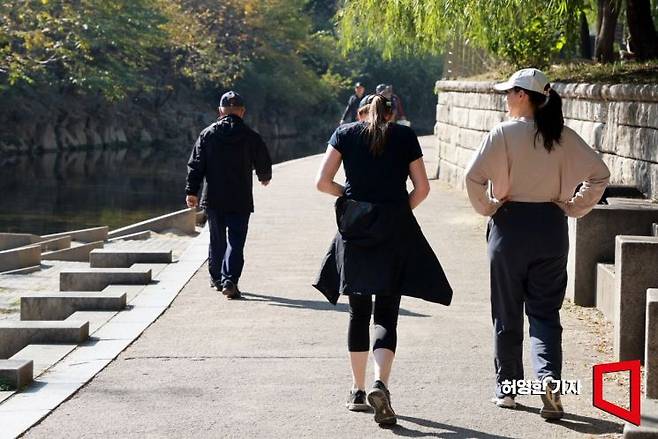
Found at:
<point>619,121</point>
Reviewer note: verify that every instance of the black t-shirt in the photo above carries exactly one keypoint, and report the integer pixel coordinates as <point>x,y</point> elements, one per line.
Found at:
<point>381,178</point>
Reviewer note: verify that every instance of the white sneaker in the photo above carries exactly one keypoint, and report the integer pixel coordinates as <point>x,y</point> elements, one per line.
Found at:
<point>506,402</point>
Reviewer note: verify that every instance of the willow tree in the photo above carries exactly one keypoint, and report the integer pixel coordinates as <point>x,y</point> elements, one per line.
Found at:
<point>521,32</point>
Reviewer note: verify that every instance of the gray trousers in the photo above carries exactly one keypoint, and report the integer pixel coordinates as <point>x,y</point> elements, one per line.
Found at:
<point>527,247</point>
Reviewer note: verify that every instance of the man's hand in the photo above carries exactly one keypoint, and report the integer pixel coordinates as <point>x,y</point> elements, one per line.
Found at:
<point>265,182</point>
<point>192,201</point>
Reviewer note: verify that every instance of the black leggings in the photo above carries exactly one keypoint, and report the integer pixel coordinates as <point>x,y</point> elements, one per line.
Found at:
<point>386,322</point>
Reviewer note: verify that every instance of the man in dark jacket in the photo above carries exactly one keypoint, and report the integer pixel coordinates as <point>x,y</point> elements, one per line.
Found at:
<point>349,115</point>
<point>225,154</point>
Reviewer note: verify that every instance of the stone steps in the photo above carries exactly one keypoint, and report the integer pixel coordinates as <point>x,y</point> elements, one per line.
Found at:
<point>55,244</point>
<point>108,258</point>
<point>16,374</point>
<point>59,306</point>
<point>15,335</point>
<point>96,279</point>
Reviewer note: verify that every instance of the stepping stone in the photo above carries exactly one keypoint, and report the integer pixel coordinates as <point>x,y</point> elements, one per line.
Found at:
<point>59,306</point>
<point>15,374</point>
<point>15,335</point>
<point>106,258</point>
<point>96,279</point>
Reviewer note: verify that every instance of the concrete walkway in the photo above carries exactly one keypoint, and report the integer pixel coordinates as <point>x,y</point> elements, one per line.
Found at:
<point>274,365</point>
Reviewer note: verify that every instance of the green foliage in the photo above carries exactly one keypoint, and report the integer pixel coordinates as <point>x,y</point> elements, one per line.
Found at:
<point>521,32</point>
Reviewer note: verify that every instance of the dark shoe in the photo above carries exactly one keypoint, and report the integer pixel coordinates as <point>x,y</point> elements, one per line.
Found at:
<point>230,290</point>
<point>216,285</point>
<point>379,399</point>
<point>356,402</point>
<point>552,409</point>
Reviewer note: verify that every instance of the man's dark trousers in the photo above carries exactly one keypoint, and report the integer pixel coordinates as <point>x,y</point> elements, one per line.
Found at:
<point>228,233</point>
<point>527,245</point>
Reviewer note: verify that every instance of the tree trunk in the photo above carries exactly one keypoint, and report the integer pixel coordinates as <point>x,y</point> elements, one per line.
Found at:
<point>607,21</point>
<point>585,46</point>
<point>643,39</point>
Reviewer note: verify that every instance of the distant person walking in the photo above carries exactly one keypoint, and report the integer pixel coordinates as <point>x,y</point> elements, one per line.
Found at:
<point>350,113</point>
<point>379,249</point>
<point>225,154</point>
<point>524,176</point>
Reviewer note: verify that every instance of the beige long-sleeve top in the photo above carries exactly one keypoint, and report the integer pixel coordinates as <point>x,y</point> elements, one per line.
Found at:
<point>521,169</point>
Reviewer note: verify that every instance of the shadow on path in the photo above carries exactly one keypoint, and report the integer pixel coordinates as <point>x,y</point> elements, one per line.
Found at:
<point>320,305</point>
<point>447,431</point>
<point>580,424</point>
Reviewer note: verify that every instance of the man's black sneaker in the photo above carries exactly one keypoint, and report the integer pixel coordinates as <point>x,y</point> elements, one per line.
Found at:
<point>379,399</point>
<point>216,285</point>
<point>230,290</point>
<point>357,401</point>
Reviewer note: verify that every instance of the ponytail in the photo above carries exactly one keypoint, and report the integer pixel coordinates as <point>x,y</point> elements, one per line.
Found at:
<point>548,116</point>
<point>377,123</point>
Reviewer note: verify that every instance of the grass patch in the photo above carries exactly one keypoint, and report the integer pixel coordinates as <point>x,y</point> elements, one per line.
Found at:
<point>627,72</point>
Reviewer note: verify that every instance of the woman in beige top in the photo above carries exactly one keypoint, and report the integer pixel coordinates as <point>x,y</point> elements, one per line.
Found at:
<point>525,175</point>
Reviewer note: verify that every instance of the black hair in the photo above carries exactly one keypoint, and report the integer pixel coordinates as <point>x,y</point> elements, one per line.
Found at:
<point>549,119</point>
<point>377,124</point>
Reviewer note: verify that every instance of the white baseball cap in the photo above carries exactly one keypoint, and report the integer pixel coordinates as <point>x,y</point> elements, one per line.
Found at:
<point>529,79</point>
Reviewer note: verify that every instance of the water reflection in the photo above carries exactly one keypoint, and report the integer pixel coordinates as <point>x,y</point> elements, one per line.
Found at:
<point>62,191</point>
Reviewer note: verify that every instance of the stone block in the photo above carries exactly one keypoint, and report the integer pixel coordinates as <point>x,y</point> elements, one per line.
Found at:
<point>108,258</point>
<point>14,240</point>
<point>96,279</point>
<point>605,290</point>
<point>592,240</point>
<point>139,236</point>
<point>59,306</point>
<point>651,345</point>
<point>16,374</point>
<point>79,253</point>
<point>92,234</point>
<point>54,244</point>
<point>15,335</point>
<point>182,220</point>
<point>18,258</point>
<point>654,229</point>
<point>635,260</point>
<point>648,428</point>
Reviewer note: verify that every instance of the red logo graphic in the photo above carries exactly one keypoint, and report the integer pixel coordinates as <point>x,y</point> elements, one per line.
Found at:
<point>633,366</point>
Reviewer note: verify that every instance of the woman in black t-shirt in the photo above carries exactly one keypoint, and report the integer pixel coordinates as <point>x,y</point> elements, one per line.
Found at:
<point>379,249</point>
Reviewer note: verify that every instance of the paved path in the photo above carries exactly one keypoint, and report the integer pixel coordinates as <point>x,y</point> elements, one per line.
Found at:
<point>274,365</point>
